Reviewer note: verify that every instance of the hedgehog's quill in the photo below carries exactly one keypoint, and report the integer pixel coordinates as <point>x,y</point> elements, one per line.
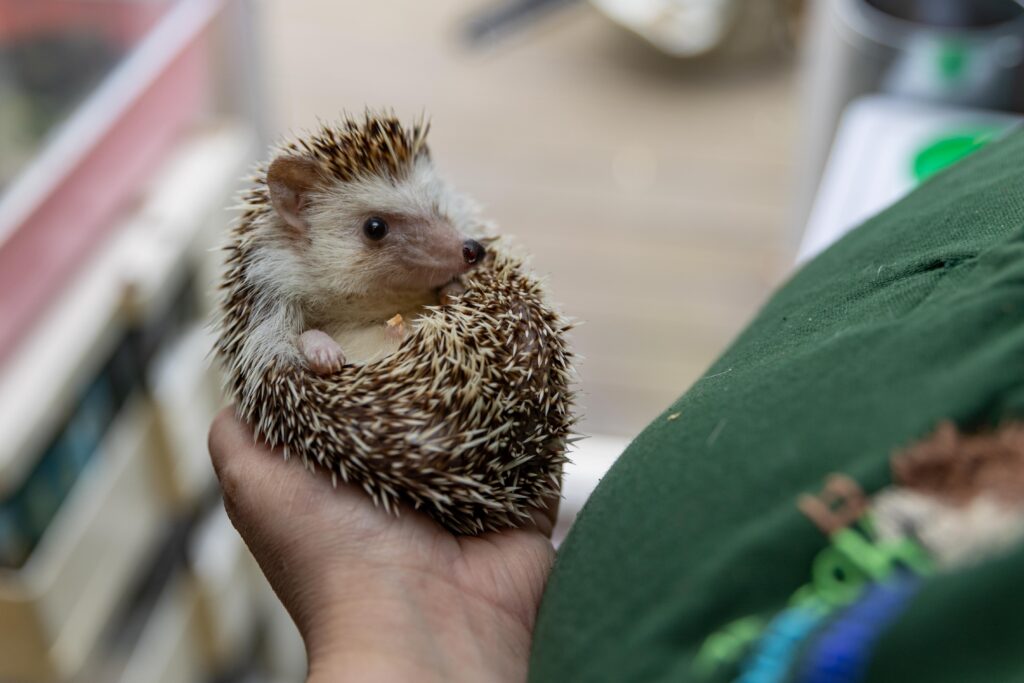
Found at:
<point>364,327</point>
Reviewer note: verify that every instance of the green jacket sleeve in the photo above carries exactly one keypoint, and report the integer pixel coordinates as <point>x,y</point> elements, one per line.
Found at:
<point>693,561</point>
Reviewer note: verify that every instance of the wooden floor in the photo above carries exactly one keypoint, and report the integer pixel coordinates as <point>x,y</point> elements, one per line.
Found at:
<point>653,194</point>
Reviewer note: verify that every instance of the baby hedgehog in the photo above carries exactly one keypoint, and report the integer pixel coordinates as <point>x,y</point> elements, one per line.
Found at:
<point>365,327</point>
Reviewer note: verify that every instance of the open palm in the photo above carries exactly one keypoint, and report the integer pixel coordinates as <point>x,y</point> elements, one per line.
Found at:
<point>377,596</point>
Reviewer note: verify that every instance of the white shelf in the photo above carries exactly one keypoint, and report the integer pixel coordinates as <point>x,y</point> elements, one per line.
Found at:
<point>169,649</point>
<point>54,609</point>
<point>227,578</point>
<point>126,277</point>
<point>187,395</point>
<point>870,166</point>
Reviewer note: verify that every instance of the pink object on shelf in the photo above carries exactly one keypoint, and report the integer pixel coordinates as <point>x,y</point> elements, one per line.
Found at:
<point>152,101</point>
<point>127,21</point>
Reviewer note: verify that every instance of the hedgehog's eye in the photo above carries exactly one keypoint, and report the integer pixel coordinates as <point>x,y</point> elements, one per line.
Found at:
<point>375,228</point>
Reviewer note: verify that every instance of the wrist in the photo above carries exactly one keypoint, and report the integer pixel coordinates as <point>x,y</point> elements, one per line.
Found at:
<point>414,626</point>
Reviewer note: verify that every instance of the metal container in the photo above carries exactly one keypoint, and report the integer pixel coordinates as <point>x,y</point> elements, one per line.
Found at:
<point>959,52</point>
<point>695,28</point>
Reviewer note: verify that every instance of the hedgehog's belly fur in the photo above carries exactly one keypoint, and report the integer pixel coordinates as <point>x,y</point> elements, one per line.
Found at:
<point>368,343</point>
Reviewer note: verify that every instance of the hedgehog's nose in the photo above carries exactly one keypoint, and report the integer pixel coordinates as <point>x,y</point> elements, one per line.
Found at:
<point>472,251</point>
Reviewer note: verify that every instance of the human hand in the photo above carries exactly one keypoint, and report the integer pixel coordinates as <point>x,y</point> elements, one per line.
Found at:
<point>378,597</point>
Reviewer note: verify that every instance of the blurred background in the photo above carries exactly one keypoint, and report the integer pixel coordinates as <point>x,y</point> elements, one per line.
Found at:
<point>666,162</point>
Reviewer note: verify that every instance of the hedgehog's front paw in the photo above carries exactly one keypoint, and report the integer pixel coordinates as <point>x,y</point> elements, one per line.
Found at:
<point>450,290</point>
<point>321,352</point>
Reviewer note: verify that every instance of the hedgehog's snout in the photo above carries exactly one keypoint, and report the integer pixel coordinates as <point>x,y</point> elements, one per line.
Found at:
<point>473,252</point>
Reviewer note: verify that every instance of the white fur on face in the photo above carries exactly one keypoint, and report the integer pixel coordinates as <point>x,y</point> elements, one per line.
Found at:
<point>428,224</point>
<point>338,279</point>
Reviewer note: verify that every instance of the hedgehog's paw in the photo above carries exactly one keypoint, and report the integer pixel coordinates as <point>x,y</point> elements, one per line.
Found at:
<point>321,352</point>
<point>451,290</point>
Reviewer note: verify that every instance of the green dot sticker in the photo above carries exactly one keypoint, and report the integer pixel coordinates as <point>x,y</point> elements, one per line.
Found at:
<point>954,58</point>
<point>945,151</point>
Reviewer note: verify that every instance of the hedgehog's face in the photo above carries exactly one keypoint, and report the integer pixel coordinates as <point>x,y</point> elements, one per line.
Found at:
<point>376,235</point>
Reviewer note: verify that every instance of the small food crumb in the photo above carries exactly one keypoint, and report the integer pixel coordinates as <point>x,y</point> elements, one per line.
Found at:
<point>673,416</point>
<point>395,321</point>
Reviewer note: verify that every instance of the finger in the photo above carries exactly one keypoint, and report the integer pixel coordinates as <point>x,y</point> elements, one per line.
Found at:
<point>223,442</point>
<point>246,468</point>
<point>223,438</point>
<point>233,447</point>
<point>255,478</point>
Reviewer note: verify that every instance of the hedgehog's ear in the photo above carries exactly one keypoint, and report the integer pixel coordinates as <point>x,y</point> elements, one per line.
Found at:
<point>290,181</point>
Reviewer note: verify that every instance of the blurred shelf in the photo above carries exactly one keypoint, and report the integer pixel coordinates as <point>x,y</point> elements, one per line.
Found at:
<point>227,579</point>
<point>66,198</point>
<point>55,55</point>
<point>132,273</point>
<point>106,392</point>
<point>54,609</point>
<point>186,393</point>
<point>170,648</point>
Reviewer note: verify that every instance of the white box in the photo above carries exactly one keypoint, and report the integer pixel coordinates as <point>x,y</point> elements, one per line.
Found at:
<point>871,165</point>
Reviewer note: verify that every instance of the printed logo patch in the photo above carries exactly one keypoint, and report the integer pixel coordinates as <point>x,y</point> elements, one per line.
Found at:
<point>956,499</point>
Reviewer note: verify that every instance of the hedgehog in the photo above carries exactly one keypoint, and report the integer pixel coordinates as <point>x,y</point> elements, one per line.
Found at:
<point>371,324</point>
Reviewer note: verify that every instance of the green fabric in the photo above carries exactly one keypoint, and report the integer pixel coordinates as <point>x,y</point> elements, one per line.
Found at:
<point>914,317</point>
